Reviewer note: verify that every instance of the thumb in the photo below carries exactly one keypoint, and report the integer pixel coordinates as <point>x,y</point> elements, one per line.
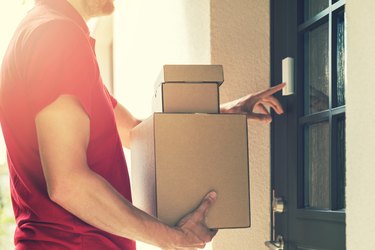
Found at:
<point>206,203</point>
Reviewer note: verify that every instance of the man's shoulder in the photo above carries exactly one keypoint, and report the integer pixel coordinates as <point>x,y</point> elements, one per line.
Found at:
<point>42,23</point>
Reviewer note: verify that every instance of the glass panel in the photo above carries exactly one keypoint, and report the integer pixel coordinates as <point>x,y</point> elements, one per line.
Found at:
<point>313,7</point>
<point>317,167</point>
<point>340,59</point>
<point>316,69</point>
<point>341,163</point>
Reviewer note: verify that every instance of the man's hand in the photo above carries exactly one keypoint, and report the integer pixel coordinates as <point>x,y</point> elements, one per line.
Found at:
<point>256,105</point>
<point>193,228</point>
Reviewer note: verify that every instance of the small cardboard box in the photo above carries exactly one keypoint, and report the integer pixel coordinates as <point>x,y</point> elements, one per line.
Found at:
<point>173,97</point>
<point>178,158</point>
<point>191,73</point>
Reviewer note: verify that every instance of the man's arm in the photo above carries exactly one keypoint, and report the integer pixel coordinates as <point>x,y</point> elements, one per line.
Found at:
<point>255,106</point>
<point>63,130</point>
<point>125,121</point>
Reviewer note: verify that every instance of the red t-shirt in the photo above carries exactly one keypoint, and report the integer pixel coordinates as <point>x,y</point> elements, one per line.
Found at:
<point>52,54</point>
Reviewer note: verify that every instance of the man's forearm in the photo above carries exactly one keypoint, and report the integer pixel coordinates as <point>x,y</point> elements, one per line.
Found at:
<point>92,199</point>
<point>125,123</point>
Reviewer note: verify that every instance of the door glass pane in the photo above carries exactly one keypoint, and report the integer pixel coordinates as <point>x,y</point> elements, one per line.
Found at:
<point>341,163</point>
<point>340,59</point>
<point>317,180</point>
<point>316,69</point>
<point>313,7</point>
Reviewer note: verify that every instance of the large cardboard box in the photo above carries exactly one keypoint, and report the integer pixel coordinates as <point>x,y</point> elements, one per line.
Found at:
<point>191,73</point>
<point>178,158</point>
<point>197,97</point>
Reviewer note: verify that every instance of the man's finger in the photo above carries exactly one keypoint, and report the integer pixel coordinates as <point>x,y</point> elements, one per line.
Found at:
<point>270,91</point>
<point>260,117</point>
<point>273,103</point>
<point>213,232</point>
<point>206,203</point>
<point>261,108</point>
<point>209,234</point>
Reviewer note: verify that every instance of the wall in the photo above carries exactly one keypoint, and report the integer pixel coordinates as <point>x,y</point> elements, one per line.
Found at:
<point>149,34</point>
<point>240,38</point>
<point>360,116</point>
<point>102,30</point>
<point>146,36</point>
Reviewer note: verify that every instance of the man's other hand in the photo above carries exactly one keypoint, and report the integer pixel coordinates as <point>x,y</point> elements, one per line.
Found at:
<point>194,231</point>
<point>256,106</point>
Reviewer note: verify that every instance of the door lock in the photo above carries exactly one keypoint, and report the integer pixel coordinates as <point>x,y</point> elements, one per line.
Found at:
<point>278,205</point>
<point>277,244</point>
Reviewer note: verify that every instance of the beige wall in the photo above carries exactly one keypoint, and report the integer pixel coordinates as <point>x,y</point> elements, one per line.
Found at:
<point>240,38</point>
<point>360,116</point>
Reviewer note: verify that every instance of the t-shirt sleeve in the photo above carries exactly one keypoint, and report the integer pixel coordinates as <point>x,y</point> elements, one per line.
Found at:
<point>62,62</point>
<point>111,98</point>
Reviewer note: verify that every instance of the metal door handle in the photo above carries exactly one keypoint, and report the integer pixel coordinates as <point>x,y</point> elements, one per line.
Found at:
<point>278,244</point>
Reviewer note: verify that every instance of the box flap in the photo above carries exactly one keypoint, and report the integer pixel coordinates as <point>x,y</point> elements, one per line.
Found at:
<point>191,73</point>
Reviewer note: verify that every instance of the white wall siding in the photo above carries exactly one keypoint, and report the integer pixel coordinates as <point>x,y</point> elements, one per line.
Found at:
<point>360,119</point>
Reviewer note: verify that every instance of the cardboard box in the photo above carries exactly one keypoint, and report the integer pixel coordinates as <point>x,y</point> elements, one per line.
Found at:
<point>187,98</point>
<point>178,158</point>
<point>191,73</point>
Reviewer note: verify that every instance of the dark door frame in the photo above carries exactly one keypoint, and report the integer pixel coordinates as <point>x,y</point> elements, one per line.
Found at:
<point>283,44</point>
<point>286,132</point>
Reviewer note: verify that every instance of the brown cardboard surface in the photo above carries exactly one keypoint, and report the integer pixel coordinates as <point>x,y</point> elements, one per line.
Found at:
<point>178,158</point>
<point>187,98</point>
<point>191,73</point>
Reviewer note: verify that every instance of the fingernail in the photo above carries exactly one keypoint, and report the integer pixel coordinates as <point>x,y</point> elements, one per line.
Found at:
<point>212,195</point>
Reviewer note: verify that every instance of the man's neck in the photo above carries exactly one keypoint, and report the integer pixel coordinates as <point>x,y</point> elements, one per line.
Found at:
<point>77,4</point>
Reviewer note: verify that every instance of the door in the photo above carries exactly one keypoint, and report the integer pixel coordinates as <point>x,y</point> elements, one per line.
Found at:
<point>308,142</point>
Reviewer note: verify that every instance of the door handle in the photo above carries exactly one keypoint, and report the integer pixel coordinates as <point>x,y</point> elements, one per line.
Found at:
<point>278,206</point>
<point>277,244</point>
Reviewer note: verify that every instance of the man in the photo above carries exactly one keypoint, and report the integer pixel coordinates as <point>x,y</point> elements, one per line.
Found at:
<point>64,134</point>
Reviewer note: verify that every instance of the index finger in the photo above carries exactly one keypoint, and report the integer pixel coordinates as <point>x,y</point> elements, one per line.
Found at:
<point>271,91</point>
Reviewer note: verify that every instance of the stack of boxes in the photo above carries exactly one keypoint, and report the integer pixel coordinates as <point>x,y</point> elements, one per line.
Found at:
<point>187,148</point>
